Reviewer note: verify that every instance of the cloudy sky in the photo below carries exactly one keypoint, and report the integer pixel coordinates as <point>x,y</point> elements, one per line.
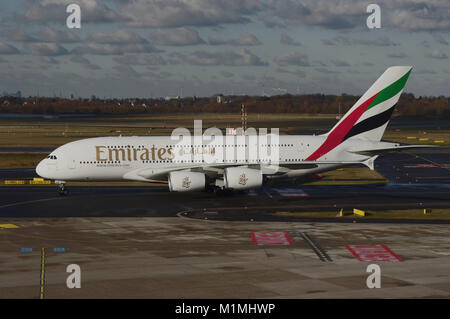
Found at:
<point>152,48</point>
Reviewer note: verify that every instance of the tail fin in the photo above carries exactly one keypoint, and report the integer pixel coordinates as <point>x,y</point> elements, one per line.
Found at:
<point>368,118</point>
<point>370,115</point>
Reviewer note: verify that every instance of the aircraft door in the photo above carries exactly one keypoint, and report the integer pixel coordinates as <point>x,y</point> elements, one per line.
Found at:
<point>71,164</point>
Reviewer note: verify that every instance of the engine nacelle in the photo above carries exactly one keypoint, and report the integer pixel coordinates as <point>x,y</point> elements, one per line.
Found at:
<point>182,181</point>
<point>242,178</point>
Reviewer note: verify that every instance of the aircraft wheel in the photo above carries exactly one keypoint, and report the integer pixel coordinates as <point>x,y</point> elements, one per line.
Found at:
<point>63,191</point>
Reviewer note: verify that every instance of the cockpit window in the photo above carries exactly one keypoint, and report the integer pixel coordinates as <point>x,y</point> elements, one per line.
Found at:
<point>51,157</point>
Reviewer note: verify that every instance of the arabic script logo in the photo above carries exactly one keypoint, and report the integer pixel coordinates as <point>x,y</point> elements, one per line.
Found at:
<point>243,180</point>
<point>186,182</point>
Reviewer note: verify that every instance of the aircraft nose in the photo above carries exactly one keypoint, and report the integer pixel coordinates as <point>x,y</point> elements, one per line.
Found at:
<point>40,169</point>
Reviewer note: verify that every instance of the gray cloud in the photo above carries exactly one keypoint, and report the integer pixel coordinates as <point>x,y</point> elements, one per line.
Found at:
<point>297,73</point>
<point>45,49</point>
<point>381,41</point>
<point>49,60</point>
<point>19,35</point>
<point>340,63</point>
<point>79,59</point>
<point>426,43</point>
<point>397,55</point>
<point>84,62</point>
<point>113,49</point>
<point>55,11</point>
<point>6,48</point>
<point>229,58</point>
<point>420,15</point>
<point>51,35</point>
<point>328,42</point>
<point>117,37</point>
<point>436,54</point>
<point>327,14</point>
<point>46,34</point>
<point>417,15</point>
<point>440,39</point>
<point>246,39</point>
<point>177,13</point>
<point>227,74</point>
<point>326,71</point>
<point>133,59</point>
<point>127,71</point>
<point>176,37</point>
<point>287,40</point>
<point>425,71</point>
<point>272,22</point>
<point>293,58</point>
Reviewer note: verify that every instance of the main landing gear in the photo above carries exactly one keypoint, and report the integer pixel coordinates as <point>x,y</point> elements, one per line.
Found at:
<point>219,191</point>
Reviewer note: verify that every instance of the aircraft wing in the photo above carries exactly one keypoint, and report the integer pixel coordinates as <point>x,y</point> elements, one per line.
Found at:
<point>214,170</point>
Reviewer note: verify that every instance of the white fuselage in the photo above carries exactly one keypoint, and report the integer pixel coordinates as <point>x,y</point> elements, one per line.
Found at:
<point>149,158</point>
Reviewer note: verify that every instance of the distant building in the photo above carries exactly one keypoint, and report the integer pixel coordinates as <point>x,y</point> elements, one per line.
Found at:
<point>221,99</point>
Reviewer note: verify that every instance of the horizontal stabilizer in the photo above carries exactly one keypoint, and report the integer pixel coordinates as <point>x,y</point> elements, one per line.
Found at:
<point>370,163</point>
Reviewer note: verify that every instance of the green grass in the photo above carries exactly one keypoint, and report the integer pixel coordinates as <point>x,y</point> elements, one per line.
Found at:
<point>20,160</point>
<point>430,135</point>
<point>38,132</point>
<point>61,131</point>
<point>438,213</point>
<point>349,176</point>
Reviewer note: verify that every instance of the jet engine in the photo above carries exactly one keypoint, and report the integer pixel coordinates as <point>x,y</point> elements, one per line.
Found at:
<point>185,181</point>
<point>242,178</point>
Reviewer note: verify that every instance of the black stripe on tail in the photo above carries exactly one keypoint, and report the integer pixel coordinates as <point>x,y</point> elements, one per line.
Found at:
<point>370,123</point>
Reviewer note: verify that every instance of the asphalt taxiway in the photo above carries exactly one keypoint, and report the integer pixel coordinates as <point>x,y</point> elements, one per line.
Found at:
<point>43,201</point>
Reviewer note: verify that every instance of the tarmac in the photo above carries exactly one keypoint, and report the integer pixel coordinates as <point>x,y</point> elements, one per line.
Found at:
<point>144,242</point>
<point>162,257</point>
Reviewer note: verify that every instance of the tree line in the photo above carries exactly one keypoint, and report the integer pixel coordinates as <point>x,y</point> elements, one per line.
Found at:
<point>408,105</point>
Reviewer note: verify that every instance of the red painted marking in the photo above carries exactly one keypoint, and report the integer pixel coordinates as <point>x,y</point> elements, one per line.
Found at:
<point>373,253</point>
<point>271,238</point>
<point>337,135</point>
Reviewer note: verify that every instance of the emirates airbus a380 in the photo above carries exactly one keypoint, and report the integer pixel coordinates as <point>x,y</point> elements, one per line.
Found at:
<point>196,166</point>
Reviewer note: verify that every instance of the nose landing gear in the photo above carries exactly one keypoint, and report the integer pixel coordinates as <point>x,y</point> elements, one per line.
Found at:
<point>62,190</point>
